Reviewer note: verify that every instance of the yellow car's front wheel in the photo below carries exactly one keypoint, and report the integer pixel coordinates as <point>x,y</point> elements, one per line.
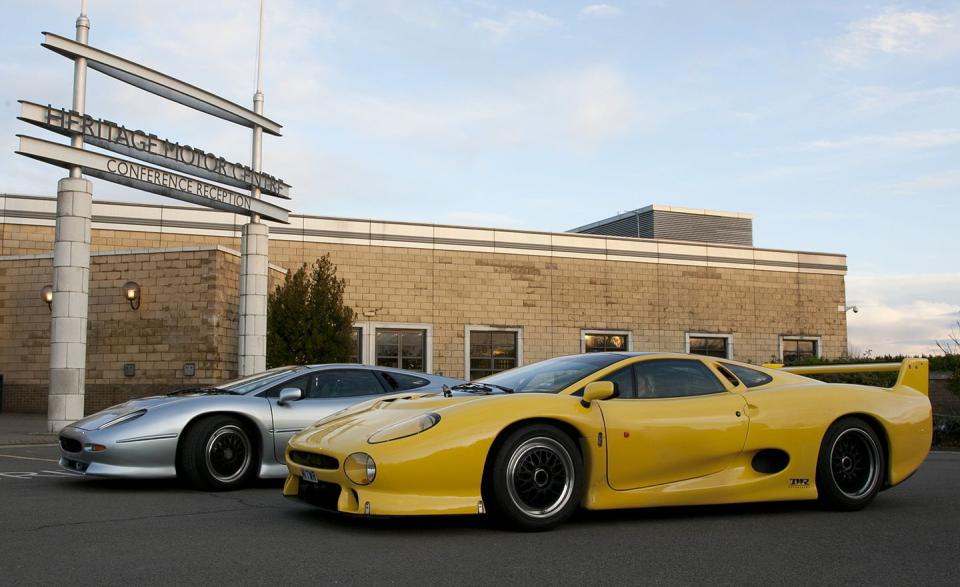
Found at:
<point>536,478</point>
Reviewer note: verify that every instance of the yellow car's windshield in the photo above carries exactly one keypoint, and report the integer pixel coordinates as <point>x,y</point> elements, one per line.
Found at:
<point>552,375</point>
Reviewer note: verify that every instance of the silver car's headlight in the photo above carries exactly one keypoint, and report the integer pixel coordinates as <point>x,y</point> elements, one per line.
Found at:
<point>123,418</point>
<point>406,428</point>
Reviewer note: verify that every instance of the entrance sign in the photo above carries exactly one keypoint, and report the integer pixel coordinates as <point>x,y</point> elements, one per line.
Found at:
<point>158,83</point>
<point>72,235</point>
<point>149,179</point>
<point>150,148</point>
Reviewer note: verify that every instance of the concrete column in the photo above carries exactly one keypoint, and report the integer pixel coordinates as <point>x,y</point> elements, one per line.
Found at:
<point>254,264</point>
<point>71,288</point>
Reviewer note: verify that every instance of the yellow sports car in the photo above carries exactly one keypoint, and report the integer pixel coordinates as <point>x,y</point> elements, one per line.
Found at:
<point>617,430</point>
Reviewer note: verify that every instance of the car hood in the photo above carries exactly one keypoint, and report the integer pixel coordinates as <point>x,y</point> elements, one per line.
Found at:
<point>94,421</point>
<point>358,423</point>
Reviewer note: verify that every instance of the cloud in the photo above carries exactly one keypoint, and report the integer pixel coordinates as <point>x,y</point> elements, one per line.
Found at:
<point>600,10</point>
<point>882,100</point>
<point>902,313</point>
<point>936,182</point>
<point>901,140</point>
<point>583,108</point>
<point>515,23</point>
<point>927,35</point>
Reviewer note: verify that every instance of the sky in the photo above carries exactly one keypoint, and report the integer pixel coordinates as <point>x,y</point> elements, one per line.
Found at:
<point>836,124</point>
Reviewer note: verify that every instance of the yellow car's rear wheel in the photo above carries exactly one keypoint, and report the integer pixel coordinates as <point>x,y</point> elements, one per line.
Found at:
<point>536,479</point>
<point>851,467</point>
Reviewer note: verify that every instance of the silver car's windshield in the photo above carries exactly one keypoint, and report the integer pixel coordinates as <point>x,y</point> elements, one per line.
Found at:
<point>258,380</point>
<point>552,375</point>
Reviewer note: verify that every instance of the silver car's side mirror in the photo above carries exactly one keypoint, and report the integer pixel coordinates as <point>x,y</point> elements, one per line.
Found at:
<point>289,394</point>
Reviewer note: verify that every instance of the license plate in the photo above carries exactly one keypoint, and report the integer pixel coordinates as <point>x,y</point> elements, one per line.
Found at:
<point>308,476</point>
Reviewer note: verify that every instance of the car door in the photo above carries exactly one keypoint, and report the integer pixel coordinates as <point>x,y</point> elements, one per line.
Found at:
<point>672,420</point>
<point>325,391</point>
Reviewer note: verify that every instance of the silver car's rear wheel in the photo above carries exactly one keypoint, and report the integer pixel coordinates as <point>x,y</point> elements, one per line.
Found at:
<point>217,453</point>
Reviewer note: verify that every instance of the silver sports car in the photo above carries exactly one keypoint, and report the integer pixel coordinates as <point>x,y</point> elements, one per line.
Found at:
<point>222,437</point>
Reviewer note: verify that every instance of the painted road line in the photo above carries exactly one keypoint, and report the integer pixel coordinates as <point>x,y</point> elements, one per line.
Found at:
<point>29,458</point>
<point>5,446</point>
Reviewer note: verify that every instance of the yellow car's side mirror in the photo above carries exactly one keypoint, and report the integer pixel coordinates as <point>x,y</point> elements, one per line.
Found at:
<point>597,390</point>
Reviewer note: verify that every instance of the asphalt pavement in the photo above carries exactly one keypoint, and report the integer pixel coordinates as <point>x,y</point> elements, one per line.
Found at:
<point>58,528</point>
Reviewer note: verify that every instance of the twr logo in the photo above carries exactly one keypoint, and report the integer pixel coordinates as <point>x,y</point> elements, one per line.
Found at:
<point>799,483</point>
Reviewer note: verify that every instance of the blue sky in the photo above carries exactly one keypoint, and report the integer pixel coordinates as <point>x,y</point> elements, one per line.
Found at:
<point>835,123</point>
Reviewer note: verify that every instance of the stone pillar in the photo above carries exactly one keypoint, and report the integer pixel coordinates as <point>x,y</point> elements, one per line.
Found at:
<point>71,288</point>
<point>254,265</point>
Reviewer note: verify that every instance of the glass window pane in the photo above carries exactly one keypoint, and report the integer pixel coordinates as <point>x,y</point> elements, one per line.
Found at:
<point>356,350</point>
<point>597,343</point>
<point>492,351</point>
<point>411,364</point>
<point>662,378</point>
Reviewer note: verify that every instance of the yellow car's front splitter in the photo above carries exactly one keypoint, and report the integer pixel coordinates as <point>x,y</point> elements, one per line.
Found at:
<point>332,491</point>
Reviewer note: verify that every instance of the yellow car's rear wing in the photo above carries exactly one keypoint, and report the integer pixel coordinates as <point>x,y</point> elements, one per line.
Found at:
<point>912,373</point>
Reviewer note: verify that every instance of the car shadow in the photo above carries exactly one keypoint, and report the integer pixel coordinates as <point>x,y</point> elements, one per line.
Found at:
<point>583,518</point>
<point>101,484</point>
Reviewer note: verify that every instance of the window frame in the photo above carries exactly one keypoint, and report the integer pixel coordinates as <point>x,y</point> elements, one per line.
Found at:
<point>727,336</point>
<point>584,332</point>
<point>817,340</point>
<point>361,343</point>
<point>518,330</point>
<point>370,340</point>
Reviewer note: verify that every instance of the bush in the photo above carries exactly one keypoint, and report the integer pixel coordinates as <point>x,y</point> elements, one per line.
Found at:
<point>307,321</point>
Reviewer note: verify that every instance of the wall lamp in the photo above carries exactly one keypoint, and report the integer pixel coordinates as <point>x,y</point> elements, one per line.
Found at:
<point>131,293</point>
<point>46,294</point>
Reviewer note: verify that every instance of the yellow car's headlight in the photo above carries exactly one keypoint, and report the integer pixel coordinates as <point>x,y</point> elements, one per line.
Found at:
<point>360,468</point>
<point>405,428</point>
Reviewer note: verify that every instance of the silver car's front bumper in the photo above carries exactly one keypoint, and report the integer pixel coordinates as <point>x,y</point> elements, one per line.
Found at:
<point>148,457</point>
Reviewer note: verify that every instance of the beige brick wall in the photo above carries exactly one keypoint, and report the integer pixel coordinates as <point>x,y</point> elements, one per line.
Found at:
<point>187,314</point>
<point>189,310</point>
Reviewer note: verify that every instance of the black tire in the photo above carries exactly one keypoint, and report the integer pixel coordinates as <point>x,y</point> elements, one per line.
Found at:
<point>535,480</point>
<point>851,467</point>
<point>217,453</point>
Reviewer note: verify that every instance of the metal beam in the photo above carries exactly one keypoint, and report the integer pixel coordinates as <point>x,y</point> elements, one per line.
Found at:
<point>149,179</point>
<point>150,148</point>
<point>158,83</point>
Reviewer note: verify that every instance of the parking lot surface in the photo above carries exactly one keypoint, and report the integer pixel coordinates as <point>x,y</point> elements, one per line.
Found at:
<point>57,527</point>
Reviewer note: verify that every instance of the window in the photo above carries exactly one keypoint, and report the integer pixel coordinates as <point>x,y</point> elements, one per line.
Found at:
<point>343,383</point>
<point>403,382</point>
<point>491,350</point>
<point>623,385</point>
<point>552,375</point>
<point>599,341</point>
<point>749,377</point>
<point>401,348</point>
<point>664,378</point>
<point>330,383</point>
<point>356,350</point>
<point>797,348</point>
<point>710,345</point>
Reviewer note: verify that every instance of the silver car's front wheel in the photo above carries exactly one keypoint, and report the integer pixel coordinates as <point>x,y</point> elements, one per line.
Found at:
<point>217,453</point>
<point>228,453</point>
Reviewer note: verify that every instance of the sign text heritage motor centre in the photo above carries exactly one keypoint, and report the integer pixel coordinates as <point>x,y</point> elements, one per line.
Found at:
<point>149,147</point>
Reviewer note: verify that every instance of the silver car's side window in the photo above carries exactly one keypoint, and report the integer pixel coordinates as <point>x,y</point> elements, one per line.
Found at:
<point>334,383</point>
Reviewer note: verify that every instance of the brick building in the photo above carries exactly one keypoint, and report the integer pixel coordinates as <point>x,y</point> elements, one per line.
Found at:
<point>455,300</point>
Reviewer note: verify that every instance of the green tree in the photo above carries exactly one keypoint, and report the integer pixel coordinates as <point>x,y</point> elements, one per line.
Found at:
<point>307,321</point>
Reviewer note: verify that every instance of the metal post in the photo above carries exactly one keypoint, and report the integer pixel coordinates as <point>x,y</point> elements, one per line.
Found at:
<point>71,272</point>
<point>254,260</point>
